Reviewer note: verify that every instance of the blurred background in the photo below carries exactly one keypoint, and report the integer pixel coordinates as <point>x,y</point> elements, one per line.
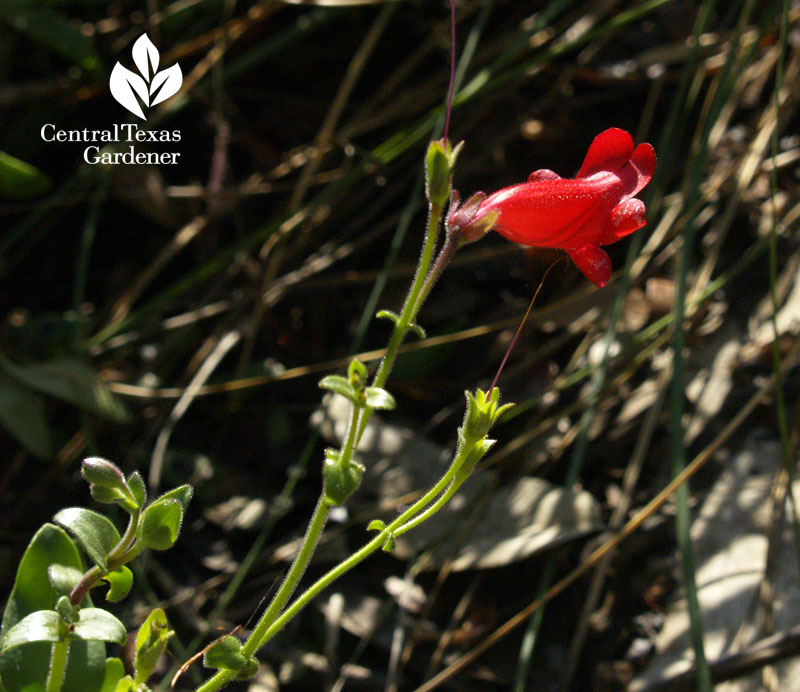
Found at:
<point>176,319</point>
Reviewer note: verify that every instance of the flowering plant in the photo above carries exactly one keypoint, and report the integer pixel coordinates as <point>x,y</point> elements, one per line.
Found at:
<point>597,207</point>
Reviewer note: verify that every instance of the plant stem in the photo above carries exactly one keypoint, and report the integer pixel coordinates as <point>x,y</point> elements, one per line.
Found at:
<point>411,307</point>
<point>217,681</point>
<point>58,664</point>
<point>315,527</point>
<point>119,555</point>
<point>273,620</point>
<point>350,438</point>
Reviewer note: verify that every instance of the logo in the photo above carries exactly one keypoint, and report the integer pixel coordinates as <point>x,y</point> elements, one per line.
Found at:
<point>150,86</point>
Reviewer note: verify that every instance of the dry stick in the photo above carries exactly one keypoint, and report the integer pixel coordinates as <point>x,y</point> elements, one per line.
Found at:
<point>637,520</point>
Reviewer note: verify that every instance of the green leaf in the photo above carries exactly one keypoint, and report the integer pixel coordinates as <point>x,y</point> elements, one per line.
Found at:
<point>161,524</point>
<point>183,494</point>
<point>126,684</point>
<point>108,496</point>
<point>63,578</point>
<point>21,180</point>
<point>378,398</point>
<point>138,489</point>
<point>97,535</point>
<point>115,671</point>
<point>339,385</point>
<point>151,640</point>
<point>96,624</point>
<point>70,380</point>
<point>225,654</point>
<point>388,315</point>
<point>41,626</point>
<point>121,581</point>
<point>356,372</point>
<point>22,414</point>
<point>376,525</point>
<point>25,667</point>
<point>56,32</point>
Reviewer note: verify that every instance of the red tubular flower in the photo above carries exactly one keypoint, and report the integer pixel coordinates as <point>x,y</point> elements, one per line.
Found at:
<point>579,215</point>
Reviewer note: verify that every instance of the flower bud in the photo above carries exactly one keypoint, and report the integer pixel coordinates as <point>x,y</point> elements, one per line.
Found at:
<point>439,164</point>
<point>467,223</point>
<point>103,473</point>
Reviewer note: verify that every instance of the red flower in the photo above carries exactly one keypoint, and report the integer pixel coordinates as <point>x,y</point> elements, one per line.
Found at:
<point>579,215</point>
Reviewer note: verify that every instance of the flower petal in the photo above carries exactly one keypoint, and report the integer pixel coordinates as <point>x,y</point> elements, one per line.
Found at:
<point>609,151</point>
<point>593,262</point>
<point>626,217</point>
<point>643,161</point>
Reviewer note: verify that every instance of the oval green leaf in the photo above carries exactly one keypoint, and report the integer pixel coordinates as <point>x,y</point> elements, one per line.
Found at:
<point>96,534</point>
<point>41,626</point>
<point>161,524</point>
<point>120,581</point>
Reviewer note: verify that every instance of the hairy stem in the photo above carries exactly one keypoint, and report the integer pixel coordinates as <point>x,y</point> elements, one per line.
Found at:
<point>58,664</point>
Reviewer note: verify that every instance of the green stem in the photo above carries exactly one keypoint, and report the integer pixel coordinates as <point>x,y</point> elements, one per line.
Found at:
<point>350,438</point>
<point>443,499</point>
<point>119,555</point>
<point>58,664</point>
<point>266,628</point>
<point>445,255</point>
<point>219,680</point>
<point>315,526</point>
<point>128,537</point>
<point>411,307</point>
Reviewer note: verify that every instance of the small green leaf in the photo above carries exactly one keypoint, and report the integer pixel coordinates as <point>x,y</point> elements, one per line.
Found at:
<point>96,624</point>
<point>66,611</point>
<point>41,626</point>
<point>151,640</point>
<point>161,523</point>
<point>126,684</point>
<point>120,581</point>
<point>388,315</point>
<point>356,373</point>
<point>96,534</point>
<point>339,483</point>
<point>137,488</point>
<point>63,578</point>
<point>419,331</point>
<point>22,414</point>
<point>225,654</point>
<point>52,30</point>
<point>70,380</point>
<point>378,398</point>
<point>21,180</point>
<point>183,494</point>
<point>339,385</point>
<point>115,671</point>
<point>108,496</point>
<point>378,525</point>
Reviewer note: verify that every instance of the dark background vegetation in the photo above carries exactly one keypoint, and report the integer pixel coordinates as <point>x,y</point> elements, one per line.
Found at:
<point>302,208</point>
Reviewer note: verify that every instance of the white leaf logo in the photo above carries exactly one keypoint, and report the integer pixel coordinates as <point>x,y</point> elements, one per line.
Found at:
<point>152,87</point>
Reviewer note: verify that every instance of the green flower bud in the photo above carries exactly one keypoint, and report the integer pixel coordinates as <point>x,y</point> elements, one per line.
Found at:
<point>103,473</point>
<point>439,164</point>
<point>339,483</point>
